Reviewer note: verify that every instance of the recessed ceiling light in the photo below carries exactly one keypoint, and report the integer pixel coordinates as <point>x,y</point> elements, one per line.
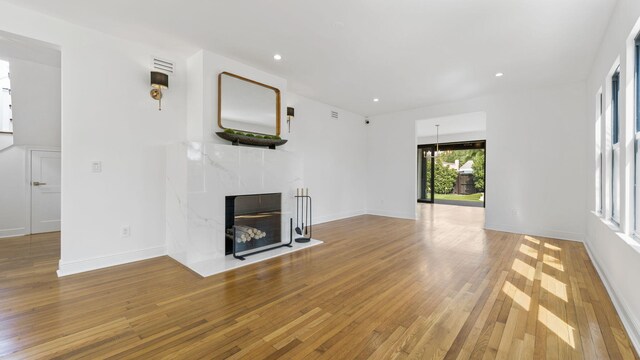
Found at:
<point>376,100</point>
<point>277,57</point>
<point>499,74</point>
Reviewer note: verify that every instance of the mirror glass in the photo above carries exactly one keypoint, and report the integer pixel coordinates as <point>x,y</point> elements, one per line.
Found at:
<point>244,104</point>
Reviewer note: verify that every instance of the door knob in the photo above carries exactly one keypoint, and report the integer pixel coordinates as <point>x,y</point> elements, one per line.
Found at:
<point>38,183</point>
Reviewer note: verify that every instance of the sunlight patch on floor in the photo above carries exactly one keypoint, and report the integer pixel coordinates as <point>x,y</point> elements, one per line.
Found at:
<point>563,330</point>
<point>523,269</point>
<point>552,247</point>
<point>547,282</point>
<point>553,262</point>
<point>517,295</point>
<point>554,286</point>
<point>529,251</point>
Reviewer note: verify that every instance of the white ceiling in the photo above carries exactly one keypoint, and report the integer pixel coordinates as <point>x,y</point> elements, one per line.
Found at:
<point>408,53</point>
<point>454,124</point>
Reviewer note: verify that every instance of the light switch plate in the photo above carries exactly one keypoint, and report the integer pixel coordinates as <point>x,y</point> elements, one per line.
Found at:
<point>96,166</point>
<point>125,231</point>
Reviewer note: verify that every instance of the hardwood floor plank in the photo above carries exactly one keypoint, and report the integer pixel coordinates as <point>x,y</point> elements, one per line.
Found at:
<point>379,288</point>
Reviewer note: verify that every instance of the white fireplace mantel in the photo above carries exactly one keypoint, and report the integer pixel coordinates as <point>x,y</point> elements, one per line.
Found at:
<point>200,176</point>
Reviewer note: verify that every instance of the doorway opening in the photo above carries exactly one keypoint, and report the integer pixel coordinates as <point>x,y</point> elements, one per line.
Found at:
<point>454,175</point>
<point>30,150</point>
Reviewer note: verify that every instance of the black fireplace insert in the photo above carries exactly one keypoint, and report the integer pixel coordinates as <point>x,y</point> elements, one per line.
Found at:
<point>257,220</point>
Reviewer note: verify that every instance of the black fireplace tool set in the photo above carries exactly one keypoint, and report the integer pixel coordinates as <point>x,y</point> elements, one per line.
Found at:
<point>303,217</point>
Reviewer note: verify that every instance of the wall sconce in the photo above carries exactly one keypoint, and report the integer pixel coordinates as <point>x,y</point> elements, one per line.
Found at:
<point>290,115</point>
<point>158,82</point>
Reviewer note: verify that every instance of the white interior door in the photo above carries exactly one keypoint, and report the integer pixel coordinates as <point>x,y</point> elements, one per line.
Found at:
<point>45,191</point>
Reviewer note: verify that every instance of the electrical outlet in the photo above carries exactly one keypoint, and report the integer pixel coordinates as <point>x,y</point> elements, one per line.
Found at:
<point>96,166</point>
<point>125,231</point>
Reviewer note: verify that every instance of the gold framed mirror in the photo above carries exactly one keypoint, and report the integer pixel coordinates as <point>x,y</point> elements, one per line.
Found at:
<point>248,105</point>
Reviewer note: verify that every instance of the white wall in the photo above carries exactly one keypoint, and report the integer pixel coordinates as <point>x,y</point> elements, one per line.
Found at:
<point>36,100</point>
<point>107,115</point>
<point>615,253</point>
<point>13,200</point>
<point>334,154</point>
<point>535,161</point>
<point>449,138</point>
<point>6,140</point>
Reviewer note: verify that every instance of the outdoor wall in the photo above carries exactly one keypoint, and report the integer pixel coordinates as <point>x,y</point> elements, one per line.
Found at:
<point>614,251</point>
<point>535,149</point>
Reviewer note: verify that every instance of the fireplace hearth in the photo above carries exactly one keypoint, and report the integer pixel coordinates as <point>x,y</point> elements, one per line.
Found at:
<point>253,223</point>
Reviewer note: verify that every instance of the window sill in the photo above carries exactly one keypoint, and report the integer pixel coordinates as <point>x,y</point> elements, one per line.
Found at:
<point>632,240</point>
<point>611,224</point>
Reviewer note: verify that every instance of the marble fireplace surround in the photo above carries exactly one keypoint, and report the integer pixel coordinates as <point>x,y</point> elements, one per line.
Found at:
<point>199,177</point>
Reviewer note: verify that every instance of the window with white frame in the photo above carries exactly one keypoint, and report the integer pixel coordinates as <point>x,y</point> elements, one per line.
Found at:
<point>615,147</point>
<point>6,121</point>
<point>637,139</point>
<point>598,155</point>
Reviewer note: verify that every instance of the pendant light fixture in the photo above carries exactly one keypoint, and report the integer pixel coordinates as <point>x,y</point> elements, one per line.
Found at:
<point>437,152</point>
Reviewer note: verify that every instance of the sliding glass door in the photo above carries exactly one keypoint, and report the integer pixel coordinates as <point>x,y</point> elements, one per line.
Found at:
<point>455,177</point>
<point>425,173</point>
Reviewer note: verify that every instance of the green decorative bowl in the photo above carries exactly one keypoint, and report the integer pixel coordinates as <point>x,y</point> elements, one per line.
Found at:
<point>250,140</point>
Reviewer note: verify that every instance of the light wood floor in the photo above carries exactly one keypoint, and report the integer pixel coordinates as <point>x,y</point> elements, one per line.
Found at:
<point>379,288</point>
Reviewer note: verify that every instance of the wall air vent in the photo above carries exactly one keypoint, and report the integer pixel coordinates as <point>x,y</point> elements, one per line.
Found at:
<point>334,114</point>
<point>163,65</point>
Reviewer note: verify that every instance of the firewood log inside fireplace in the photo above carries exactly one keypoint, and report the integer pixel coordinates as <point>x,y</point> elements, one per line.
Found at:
<point>246,233</point>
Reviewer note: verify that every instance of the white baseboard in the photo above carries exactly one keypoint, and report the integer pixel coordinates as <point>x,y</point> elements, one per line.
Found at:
<point>554,234</point>
<point>78,266</point>
<point>4,233</point>
<point>393,214</point>
<point>333,217</point>
<point>629,321</point>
